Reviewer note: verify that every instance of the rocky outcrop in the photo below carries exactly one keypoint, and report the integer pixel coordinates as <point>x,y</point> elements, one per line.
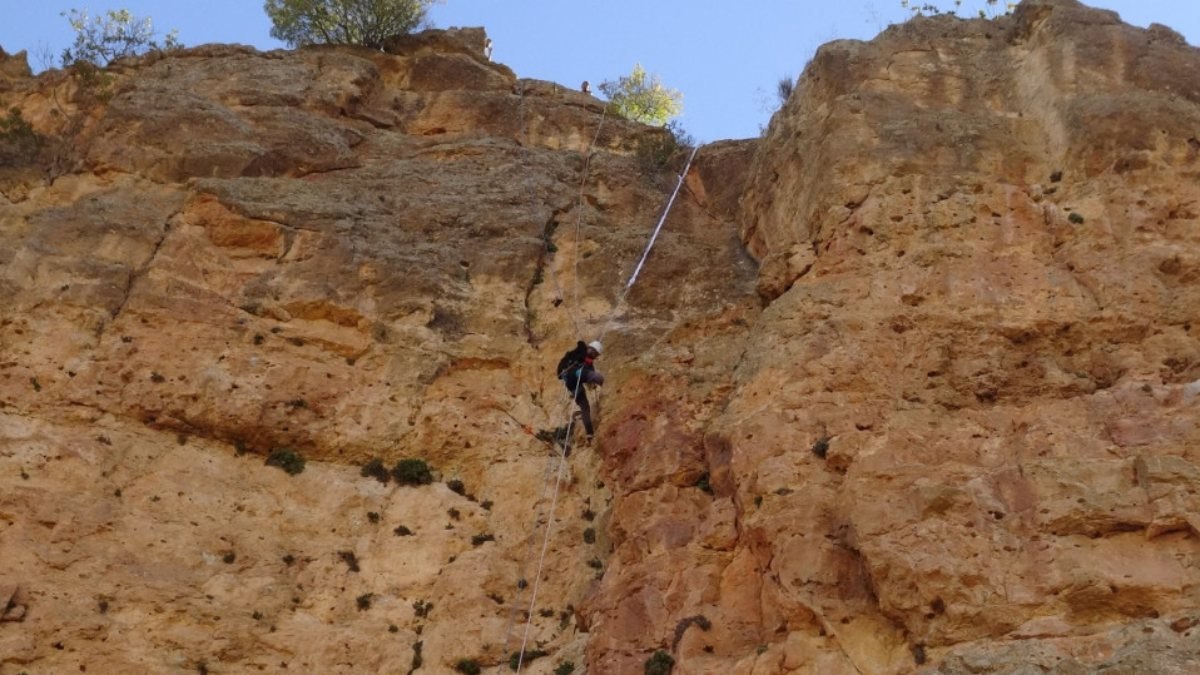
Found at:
<point>908,384</point>
<point>14,69</point>
<point>340,253</point>
<point>974,239</point>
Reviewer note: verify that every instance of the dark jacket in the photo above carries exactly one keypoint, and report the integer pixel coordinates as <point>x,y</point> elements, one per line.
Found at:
<point>573,364</point>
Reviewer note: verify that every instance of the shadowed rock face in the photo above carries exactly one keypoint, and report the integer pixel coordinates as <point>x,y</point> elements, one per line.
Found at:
<point>948,421</point>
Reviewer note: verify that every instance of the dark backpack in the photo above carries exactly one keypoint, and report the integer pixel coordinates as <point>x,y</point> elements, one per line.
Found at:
<point>571,361</point>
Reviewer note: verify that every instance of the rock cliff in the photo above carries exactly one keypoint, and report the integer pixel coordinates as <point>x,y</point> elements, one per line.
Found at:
<point>910,383</point>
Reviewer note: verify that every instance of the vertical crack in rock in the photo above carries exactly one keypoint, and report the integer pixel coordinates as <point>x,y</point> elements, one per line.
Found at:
<point>542,266</point>
<point>137,273</point>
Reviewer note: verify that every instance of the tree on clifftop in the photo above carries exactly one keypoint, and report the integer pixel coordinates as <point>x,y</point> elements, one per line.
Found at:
<point>351,22</point>
<point>642,97</point>
<point>100,40</point>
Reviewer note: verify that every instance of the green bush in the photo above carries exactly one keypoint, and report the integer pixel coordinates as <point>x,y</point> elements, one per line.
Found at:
<point>375,469</point>
<point>288,460</point>
<point>641,97</point>
<point>412,472</point>
<point>660,663</point>
<point>565,668</point>
<point>354,22</point>
<point>666,148</point>
<point>530,655</point>
<point>417,659</point>
<point>468,667</point>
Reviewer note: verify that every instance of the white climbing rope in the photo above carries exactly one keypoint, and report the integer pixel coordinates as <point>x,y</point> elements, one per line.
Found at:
<point>562,461</point>
<point>558,460</point>
<point>650,244</point>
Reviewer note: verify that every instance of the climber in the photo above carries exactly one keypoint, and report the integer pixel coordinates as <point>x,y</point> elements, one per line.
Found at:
<point>576,369</point>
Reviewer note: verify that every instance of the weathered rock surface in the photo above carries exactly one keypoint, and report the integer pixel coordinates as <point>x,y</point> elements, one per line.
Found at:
<point>948,423</point>
<point>345,253</point>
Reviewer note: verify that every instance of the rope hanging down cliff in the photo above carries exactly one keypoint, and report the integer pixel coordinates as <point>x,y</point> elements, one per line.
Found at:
<point>560,457</point>
<point>650,244</point>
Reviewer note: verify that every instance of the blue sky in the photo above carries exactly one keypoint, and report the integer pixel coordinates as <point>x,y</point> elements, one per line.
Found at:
<point>725,57</point>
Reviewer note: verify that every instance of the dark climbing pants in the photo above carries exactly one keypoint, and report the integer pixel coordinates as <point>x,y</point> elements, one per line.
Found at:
<point>585,410</point>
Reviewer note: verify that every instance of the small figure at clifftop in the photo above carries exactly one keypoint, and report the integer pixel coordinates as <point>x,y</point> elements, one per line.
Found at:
<point>586,87</point>
<point>487,49</point>
<point>576,368</point>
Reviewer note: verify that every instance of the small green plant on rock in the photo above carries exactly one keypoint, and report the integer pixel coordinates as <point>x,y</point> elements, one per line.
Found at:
<point>565,668</point>
<point>412,472</point>
<point>418,661</point>
<point>422,609</point>
<point>660,663</point>
<point>288,460</point>
<point>1075,218</point>
<point>515,659</point>
<point>468,667</point>
<point>375,469</point>
<point>663,149</point>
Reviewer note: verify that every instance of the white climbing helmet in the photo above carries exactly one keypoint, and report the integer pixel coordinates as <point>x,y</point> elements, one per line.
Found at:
<point>595,344</point>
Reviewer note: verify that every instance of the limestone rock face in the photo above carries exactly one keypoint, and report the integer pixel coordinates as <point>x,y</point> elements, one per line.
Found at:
<point>976,240</point>
<point>909,384</point>
<point>344,254</point>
